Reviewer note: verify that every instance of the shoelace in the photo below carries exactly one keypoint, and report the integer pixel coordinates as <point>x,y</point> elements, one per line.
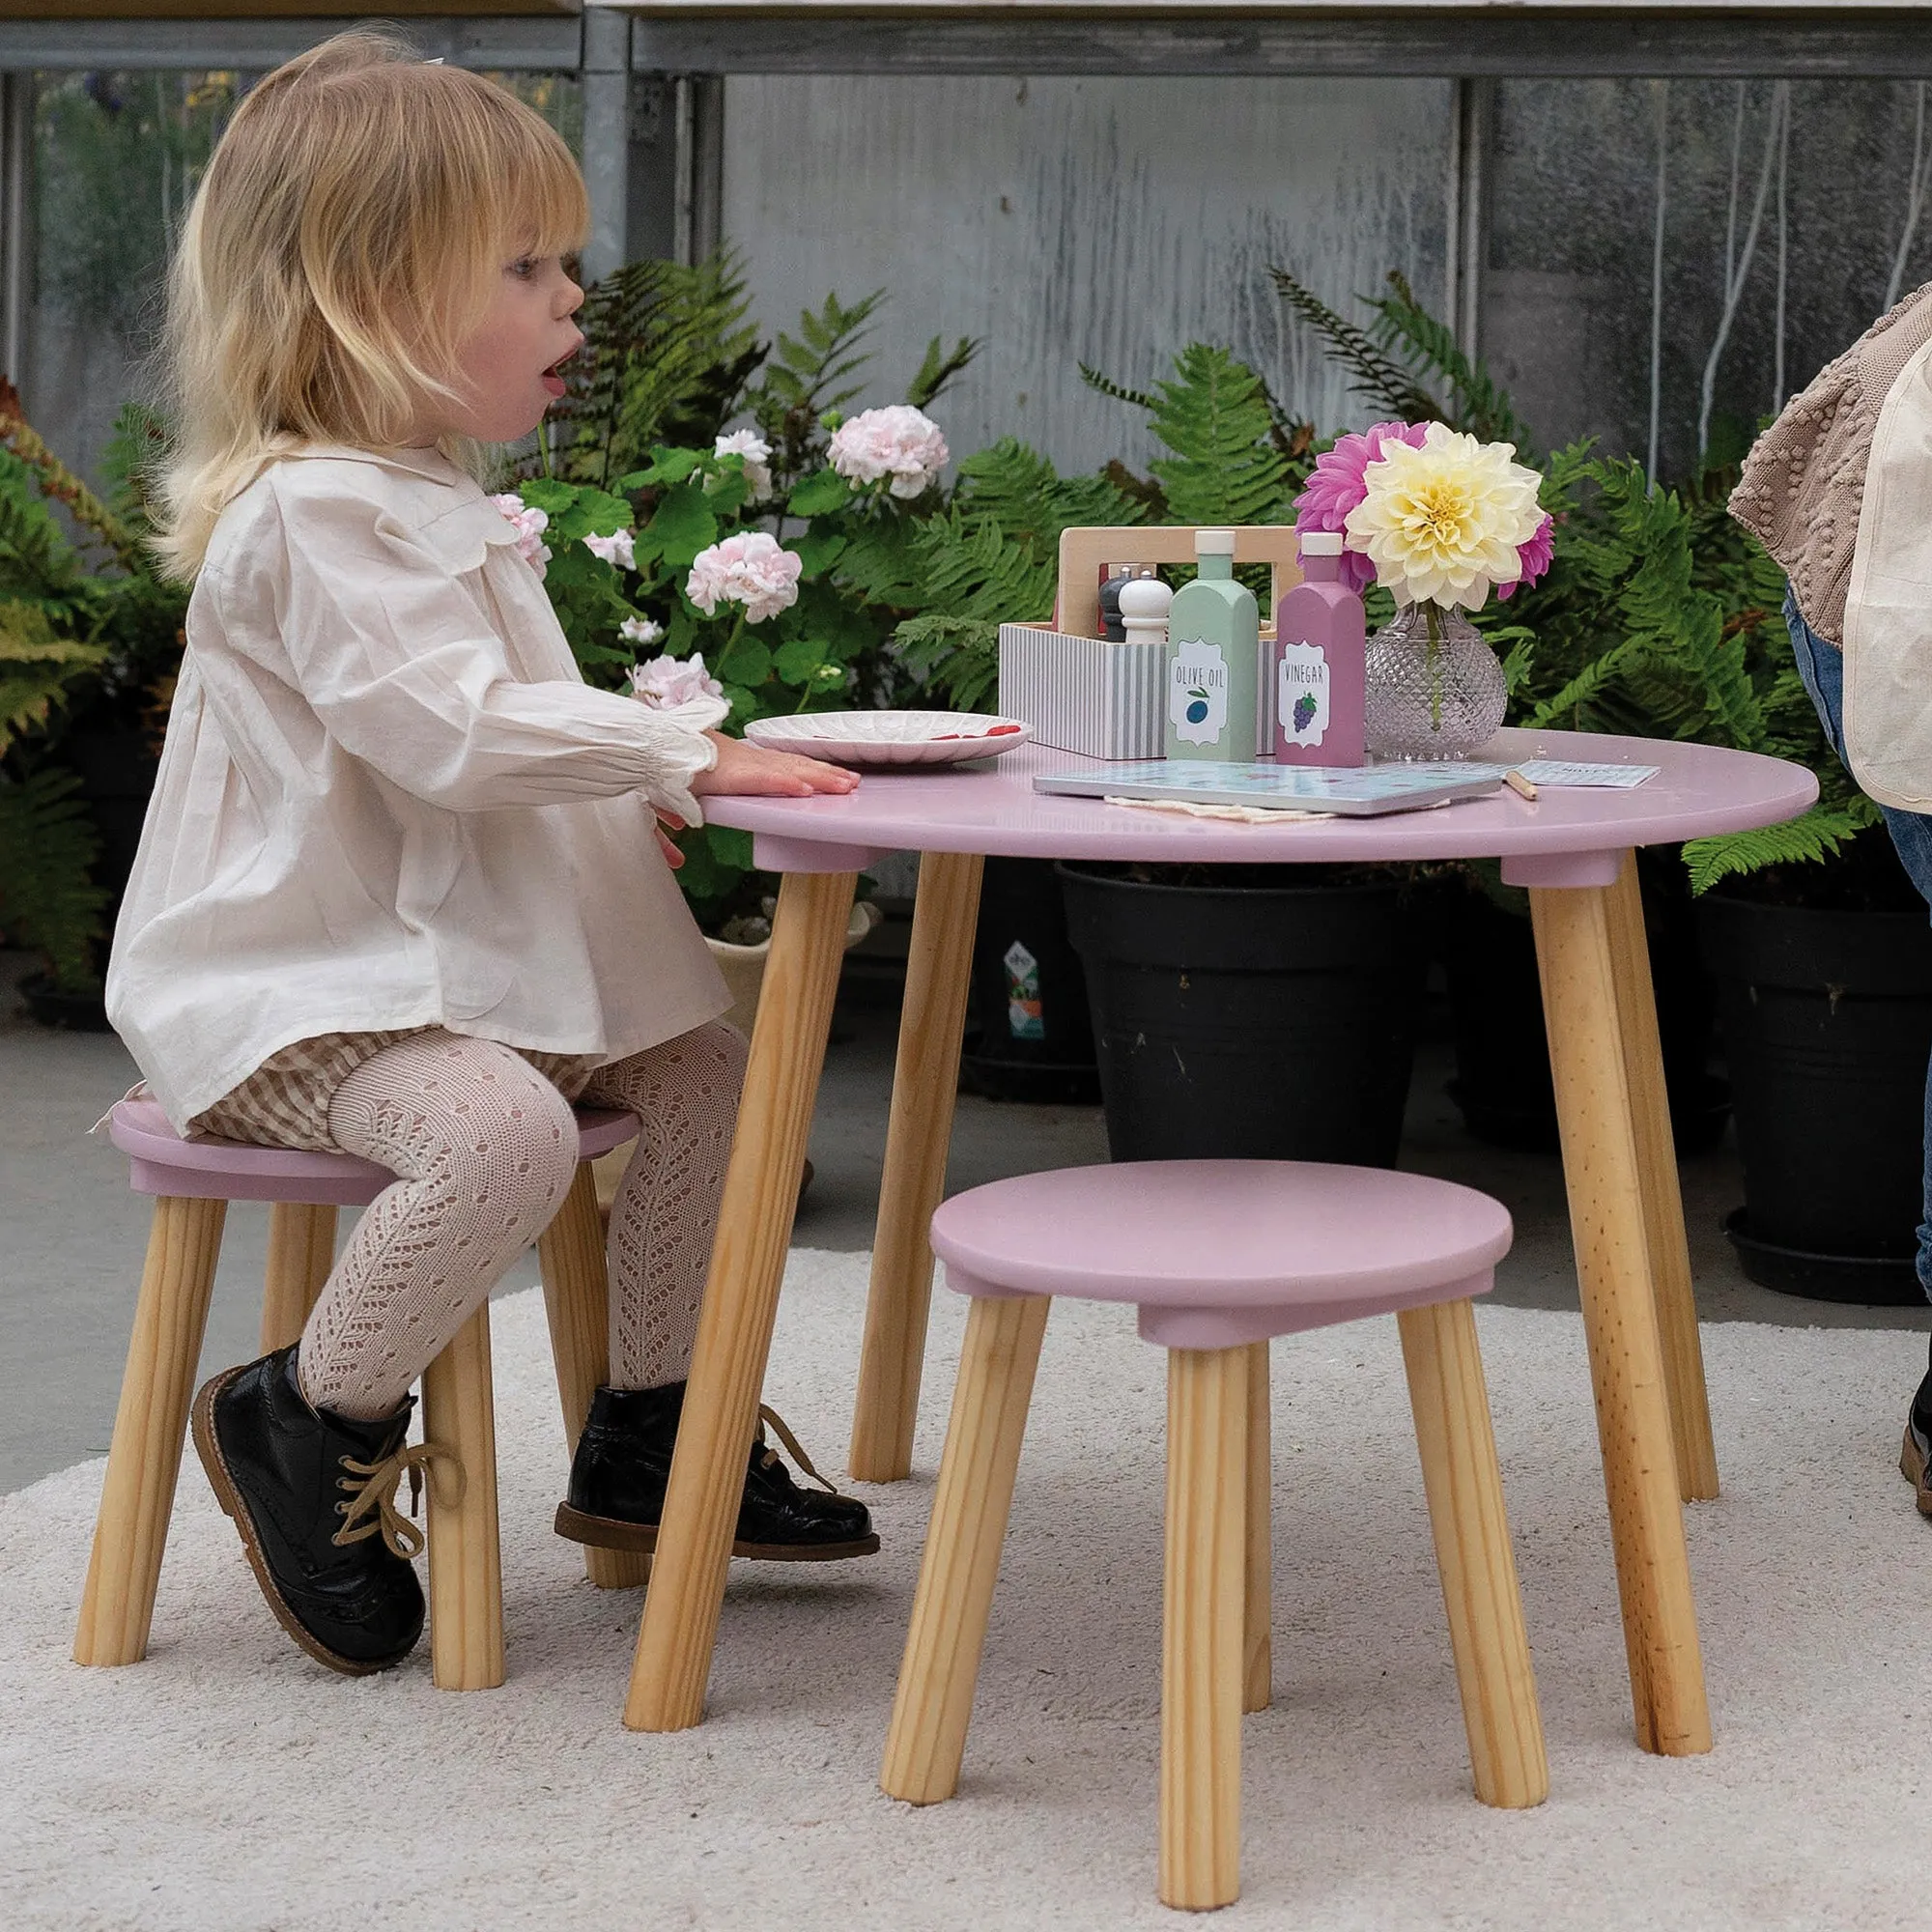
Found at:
<point>372,1494</point>
<point>768,1415</point>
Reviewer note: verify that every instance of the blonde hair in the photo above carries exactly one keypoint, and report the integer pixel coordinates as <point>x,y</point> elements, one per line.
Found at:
<point>343,244</point>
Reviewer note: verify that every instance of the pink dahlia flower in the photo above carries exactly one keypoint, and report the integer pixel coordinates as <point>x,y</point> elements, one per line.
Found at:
<point>1338,484</point>
<point>1535,557</point>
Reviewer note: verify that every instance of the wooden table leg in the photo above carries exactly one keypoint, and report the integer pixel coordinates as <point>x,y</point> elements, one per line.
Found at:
<point>1258,1643</point>
<point>1202,1627</point>
<point>302,1250</point>
<point>1465,1487</point>
<point>1607,1225</point>
<point>577,1300</point>
<point>946,1635</point>
<point>465,1568</point>
<point>1663,1200</point>
<point>741,1298</point>
<point>939,972</point>
<point>150,1430</point>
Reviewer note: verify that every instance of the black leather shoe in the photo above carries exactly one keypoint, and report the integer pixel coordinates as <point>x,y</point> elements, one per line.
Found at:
<point>310,1492</point>
<point>623,1463</point>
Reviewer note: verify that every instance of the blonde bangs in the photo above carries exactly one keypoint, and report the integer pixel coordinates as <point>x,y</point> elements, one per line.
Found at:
<point>346,239</point>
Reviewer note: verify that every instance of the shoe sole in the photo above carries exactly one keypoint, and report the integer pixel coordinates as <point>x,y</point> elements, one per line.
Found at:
<point>605,1532</point>
<point>208,1446</point>
<point>1911,1466</point>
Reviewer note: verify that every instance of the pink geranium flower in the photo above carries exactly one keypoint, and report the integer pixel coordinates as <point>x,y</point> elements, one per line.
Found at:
<point>1534,556</point>
<point>1338,484</point>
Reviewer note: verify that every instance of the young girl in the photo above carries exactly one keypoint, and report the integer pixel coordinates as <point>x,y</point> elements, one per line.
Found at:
<point>1839,490</point>
<point>402,889</point>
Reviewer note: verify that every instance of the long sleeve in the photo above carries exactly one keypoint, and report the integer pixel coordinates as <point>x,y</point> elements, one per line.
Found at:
<point>389,646</point>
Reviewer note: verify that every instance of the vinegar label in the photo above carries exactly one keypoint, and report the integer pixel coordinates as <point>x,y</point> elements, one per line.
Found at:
<point>1197,693</point>
<point>1301,693</point>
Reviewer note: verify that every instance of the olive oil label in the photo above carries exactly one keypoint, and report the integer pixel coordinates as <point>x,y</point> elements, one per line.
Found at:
<point>1197,693</point>
<point>1301,693</point>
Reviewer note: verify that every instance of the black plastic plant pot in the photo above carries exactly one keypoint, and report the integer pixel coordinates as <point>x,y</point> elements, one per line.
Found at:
<point>1827,1022</point>
<point>1255,1020</point>
<point>1031,1037</point>
<point>51,1006</point>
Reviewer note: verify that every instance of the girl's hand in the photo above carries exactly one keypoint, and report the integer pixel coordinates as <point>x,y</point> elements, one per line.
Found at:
<point>673,858</point>
<point>745,768</point>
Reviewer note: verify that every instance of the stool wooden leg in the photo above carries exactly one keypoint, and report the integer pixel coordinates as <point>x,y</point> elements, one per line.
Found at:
<point>302,1250</point>
<point>1663,1199</point>
<point>465,1577</point>
<point>1607,1227</point>
<point>934,1703</point>
<point>577,1292</point>
<point>1463,1485</point>
<point>1257,1649</point>
<point>939,972</point>
<point>1201,1642</point>
<point>150,1427</point>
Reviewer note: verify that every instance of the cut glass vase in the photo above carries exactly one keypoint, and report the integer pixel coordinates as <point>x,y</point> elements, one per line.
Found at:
<point>1435,687</point>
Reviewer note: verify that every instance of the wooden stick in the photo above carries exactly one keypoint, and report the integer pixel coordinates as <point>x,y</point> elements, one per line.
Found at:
<point>466,1576</point>
<point>948,1633</point>
<point>576,1294</point>
<point>1608,1226</point>
<point>302,1250</point>
<point>741,1299</point>
<point>1258,1646</point>
<point>150,1427</point>
<point>1464,1484</point>
<point>1663,1200</point>
<point>932,1022</point>
<point>1201,1638</point>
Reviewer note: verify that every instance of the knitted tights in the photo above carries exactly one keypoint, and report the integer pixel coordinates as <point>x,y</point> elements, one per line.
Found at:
<point>485,1150</point>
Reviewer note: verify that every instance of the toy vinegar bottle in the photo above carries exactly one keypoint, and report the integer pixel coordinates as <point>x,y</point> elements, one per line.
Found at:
<point>1320,662</point>
<point>1213,631</point>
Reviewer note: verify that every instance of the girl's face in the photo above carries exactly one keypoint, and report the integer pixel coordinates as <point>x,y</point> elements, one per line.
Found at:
<point>504,370</point>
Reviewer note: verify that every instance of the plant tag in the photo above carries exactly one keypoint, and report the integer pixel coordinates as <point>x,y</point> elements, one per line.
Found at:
<point>1301,693</point>
<point>1026,1018</point>
<point>1197,693</point>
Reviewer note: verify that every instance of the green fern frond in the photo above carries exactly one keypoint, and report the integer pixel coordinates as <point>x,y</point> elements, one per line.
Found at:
<point>1213,415</point>
<point>47,902</point>
<point>1105,385</point>
<point>666,357</point>
<point>1020,490</point>
<point>37,669</point>
<point>1815,837</point>
<point>35,560</point>
<point>135,454</point>
<point>958,657</point>
<point>938,367</point>
<point>804,371</point>
<point>1378,376</point>
<point>1406,330</point>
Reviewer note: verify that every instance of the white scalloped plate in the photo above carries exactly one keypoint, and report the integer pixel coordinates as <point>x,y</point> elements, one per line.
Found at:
<point>889,737</point>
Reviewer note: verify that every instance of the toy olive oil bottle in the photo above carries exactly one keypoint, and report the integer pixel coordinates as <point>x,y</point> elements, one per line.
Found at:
<point>1213,633</point>
<point>1320,662</point>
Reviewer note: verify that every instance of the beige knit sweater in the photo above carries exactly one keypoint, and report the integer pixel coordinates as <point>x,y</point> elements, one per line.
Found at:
<point>1803,482</point>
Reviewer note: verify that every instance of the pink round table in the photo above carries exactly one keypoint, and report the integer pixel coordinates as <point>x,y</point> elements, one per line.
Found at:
<point>1570,848</point>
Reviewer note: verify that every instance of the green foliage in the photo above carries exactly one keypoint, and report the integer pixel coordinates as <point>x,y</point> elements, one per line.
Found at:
<point>38,670</point>
<point>667,353</point>
<point>938,367</point>
<point>47,848</point>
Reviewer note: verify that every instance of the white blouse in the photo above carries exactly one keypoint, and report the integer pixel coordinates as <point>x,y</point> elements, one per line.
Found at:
<point>388,799</point>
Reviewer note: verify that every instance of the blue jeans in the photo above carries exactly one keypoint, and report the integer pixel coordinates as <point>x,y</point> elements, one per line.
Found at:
<point>1823,671</point>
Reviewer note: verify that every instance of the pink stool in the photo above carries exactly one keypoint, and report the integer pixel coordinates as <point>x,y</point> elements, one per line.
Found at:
<point>1219,1256</point>
<point>192,1182</point>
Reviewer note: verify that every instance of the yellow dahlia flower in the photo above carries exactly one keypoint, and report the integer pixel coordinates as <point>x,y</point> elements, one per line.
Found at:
<point>1442,523</point>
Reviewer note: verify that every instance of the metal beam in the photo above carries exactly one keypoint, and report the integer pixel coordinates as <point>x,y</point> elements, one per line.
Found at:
<point>607,139</point>
<point>1837,43</point>
<point>505,41</point>
<point>16,222</point>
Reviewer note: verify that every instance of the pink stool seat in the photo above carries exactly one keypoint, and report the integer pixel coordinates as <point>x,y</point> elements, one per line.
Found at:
<point>1219,1253</point>
<point>160,1162</point>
